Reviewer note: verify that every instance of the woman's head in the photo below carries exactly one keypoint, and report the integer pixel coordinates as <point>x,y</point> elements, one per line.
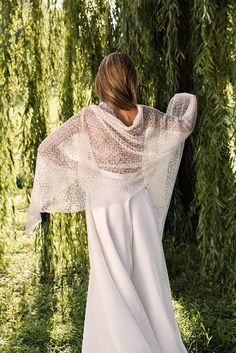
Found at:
<point>116,81</point>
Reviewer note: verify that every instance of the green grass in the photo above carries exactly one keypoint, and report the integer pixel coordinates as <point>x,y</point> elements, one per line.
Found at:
<point>38,316</point>
<point>35,316</point>
<point>205,312</point>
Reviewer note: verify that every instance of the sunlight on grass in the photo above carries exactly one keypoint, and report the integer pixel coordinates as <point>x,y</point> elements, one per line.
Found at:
<point>36,317</point>
<point>191,327</point>
<point>49,317</point>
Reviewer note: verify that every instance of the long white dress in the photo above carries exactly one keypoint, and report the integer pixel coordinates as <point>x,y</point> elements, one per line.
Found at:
<point>129,306</point>
<point>123,177</point>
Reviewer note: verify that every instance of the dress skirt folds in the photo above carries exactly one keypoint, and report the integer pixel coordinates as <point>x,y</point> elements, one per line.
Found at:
<point>129,305</point>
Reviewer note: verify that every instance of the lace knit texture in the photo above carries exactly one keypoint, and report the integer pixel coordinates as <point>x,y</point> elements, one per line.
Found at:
<point>94,159</point>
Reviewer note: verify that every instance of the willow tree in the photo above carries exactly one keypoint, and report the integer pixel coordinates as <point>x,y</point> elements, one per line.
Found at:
<point>8,14</point>
<point>189,46</point>
<point>213,46</point>
<point>35,93</point>
<point>176,46</point>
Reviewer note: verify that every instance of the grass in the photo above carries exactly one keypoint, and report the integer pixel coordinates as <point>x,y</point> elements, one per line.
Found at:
<point>48,316</point>
<point>205,312</point>
<point>35,316</point>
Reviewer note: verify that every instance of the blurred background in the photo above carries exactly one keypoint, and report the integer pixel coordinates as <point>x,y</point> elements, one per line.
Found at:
<point>49,55</point>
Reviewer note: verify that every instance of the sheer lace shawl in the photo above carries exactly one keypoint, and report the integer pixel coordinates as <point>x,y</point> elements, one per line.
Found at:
<point>95,160</point>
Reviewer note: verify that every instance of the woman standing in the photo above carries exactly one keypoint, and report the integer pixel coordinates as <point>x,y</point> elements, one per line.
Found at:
<point>118,161</point>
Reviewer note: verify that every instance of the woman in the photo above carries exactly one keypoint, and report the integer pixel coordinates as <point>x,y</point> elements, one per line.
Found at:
<point>118,161</point>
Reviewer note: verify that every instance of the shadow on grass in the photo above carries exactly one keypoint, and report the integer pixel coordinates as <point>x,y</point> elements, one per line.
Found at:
<point>77,298</point>
<point>205,316</point>
<point>47,310</point>
<point>49,316</point>
<point>34,331</point>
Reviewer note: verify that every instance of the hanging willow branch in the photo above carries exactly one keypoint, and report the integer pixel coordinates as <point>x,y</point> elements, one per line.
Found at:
<point>34,117</point>
<point>36,106</point>
<point>8,14</point>
<point>215,182</point>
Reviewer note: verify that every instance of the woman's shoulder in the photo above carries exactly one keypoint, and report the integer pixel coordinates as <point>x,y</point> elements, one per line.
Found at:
<point>85,110</point>
<point>150,110</point>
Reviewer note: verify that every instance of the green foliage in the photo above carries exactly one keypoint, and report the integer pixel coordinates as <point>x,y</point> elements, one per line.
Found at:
<point>214,195</point>
<point>36,103</point>
<point>8,14</point>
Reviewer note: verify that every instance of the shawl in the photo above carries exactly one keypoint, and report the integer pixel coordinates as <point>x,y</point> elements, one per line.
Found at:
<point>95,160</point>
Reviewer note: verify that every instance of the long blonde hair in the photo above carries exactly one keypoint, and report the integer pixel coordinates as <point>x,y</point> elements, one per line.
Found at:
<point>116,81</point>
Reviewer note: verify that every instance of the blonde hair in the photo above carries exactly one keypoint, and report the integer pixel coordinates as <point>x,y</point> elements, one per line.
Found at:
<point>116,81</point>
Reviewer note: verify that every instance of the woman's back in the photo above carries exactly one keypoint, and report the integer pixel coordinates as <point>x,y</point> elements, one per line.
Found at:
<point>72,159</point>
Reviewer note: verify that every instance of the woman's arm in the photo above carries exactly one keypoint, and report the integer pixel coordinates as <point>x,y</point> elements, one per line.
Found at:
<point>177,123</point>
<point>182,112</point>
<point>50,146</point>
<point>56,172</point>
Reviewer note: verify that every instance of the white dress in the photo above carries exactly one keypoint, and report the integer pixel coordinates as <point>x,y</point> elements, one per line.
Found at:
<point>129,306</point>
